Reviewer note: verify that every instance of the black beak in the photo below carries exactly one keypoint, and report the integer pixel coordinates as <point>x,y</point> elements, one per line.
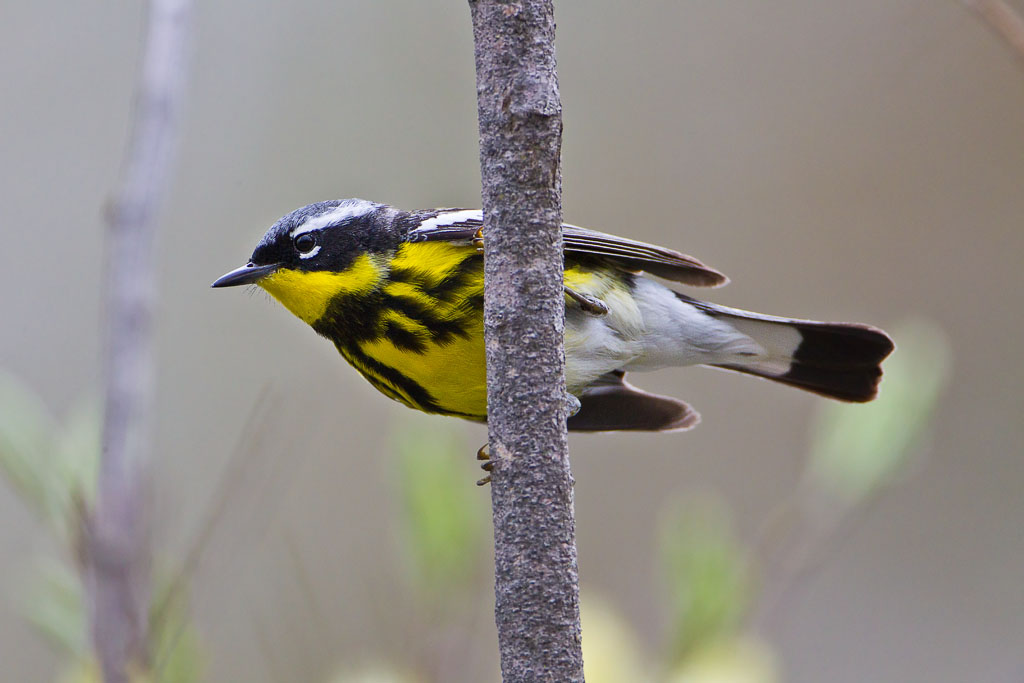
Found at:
<point>248,274</point>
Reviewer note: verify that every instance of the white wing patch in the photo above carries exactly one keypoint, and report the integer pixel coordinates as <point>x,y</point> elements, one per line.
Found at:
<point>449,218</point>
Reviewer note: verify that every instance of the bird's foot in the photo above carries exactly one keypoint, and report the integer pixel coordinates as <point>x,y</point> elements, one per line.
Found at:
<point>588,304</point>
<point>572,406</point>
<point>485,454</point>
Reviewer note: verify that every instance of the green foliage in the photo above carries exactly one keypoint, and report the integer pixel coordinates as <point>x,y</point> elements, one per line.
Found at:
<point>374,674</point>
<point>52,467</point>
<point>611,650</point>
<point>707,575</point>
<point>27,445</point>
<point>175,643</point>
<point>443,516</point>
<point>55,607</point>
<point>735,660</point>
<point>175,648</point>
<point>79,446</point>
<point>57,610</point>
<point>858,449</point>
<point>48,464</point>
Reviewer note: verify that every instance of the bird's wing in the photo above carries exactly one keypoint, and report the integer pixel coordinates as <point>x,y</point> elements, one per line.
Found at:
<point>613,404</point>
<point>461,225</point>
<point>633,255</point>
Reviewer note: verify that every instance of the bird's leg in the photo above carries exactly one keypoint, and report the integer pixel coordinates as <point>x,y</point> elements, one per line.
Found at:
<point>572,406</point>
<point>485,454</point>
<point>588,303</point>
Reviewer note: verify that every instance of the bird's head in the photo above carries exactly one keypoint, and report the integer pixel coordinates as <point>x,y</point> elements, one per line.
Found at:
<point>319,252</point>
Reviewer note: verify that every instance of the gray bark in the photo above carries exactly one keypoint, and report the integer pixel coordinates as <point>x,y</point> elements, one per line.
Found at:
<point>536,577</point>
<point>115,544</point>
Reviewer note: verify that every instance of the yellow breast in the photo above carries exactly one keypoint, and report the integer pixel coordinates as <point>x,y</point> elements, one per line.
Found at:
<point>412,324</point>
<point>435,294</point>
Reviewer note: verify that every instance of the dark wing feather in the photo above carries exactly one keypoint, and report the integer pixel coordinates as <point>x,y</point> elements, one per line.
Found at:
<point>634,255</point>
<point>613,404</point>
<point>626,253</point>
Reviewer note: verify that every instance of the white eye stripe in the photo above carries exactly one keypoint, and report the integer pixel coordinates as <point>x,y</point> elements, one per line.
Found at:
<point>348,209</point>
<point>311,253</point>
<point>450,218</point>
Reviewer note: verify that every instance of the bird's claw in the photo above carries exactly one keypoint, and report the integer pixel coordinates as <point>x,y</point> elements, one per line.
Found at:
<point>589,304</point>
<point>485,454</point>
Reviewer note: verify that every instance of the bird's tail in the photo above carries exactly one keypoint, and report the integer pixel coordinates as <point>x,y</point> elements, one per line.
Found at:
<point>837,360</point>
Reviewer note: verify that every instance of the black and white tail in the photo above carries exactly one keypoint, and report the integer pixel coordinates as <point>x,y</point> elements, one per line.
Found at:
<point>837,360</point>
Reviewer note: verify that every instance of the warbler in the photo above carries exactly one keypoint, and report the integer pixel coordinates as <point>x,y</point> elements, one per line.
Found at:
<point>400,294</point>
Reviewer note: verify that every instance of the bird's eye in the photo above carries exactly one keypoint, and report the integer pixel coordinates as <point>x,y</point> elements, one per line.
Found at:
<point>305,243</point>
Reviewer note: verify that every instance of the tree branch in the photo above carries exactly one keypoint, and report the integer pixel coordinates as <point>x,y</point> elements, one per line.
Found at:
<point>536,577</point>
<point>115,558</point>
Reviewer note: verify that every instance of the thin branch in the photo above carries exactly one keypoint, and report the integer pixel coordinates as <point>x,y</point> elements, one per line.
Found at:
<point>116,552</point>
<point>229,482</point>
<point>808,546</point>
<point>536,577</point>
<point>1004,20</point>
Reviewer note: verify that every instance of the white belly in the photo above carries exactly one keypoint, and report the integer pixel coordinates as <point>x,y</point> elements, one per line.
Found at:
<point>647,329</point>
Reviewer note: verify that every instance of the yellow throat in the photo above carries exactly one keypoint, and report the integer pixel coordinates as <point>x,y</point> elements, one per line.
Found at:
<point>307,293</point>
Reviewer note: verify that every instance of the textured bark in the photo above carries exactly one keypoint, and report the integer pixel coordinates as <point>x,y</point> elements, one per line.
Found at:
<point>115,545</point>
<point>536,578</point>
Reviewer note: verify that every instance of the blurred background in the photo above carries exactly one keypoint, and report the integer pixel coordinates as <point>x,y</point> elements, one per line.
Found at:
<point>842,161</point>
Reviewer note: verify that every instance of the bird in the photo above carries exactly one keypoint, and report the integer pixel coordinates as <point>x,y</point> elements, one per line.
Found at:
<point>400,295</point>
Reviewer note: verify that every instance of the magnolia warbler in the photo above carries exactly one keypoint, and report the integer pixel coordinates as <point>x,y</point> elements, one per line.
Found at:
<point>400,294</point>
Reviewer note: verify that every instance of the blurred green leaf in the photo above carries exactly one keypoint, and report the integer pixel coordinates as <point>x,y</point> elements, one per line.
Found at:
<point>47,463</point>
<point>443,515</point>
<point>88,671</point>
<point>84,671</point>
<point>50,466</point>
<point>56,608</point>
<point>27,435</point>
<point>176,646</point>
<point>857,449</point>
<point>373,674</point>
<point>78,450</point>
<point>707,574</point>
<point>736,660</point>
<point>611,650</point>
